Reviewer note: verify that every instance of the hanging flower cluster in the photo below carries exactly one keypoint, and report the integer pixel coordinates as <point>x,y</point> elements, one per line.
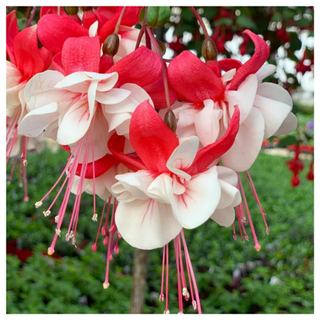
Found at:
<point>162,144</point>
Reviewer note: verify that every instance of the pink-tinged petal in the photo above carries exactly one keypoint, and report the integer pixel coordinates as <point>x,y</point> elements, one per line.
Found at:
<point>244,96</point>
<point>228,64</point>
<point>247,144</point>
<point>12,31</point>
<point>228,75</point>
<point>157,93</point>
<point>40,90</point>
<point>274,112</point>
<point>289,124</point>
<point>146,224</point>
<point>182,157</point>
<point>128,40</point>
<point>207,123</point>
<point>75,123</point>
<point>12,97</point>
<point>113,96</point>
<point>259,57</point>
<point>116,145</point>
<point>119,119</point>
<point>230,195</point>
<point>92,96</point>
<point>153,141</point>
<point>135,183</point>
<point>265,71</point>
<point>81,54</point>
<point>193,79</point>
<point>100,166</point>
<point>93,30</point>
<point>28,59</point>
<point>141,67</point>
<point>195,206</point>
<point>161,188</point>
<point>224,217</point>
<point>63,27</point>
<point>57,63</point>
<point>210,153</point>
<point>37,121</point>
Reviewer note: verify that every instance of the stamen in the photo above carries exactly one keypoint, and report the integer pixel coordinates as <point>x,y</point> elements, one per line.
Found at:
<point>46,213</point>
<point>94,246</point>
<point>176,249</point>
<point>161,296</point>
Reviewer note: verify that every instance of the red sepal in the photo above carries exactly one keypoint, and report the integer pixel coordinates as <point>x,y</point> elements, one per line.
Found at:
<point>213,151</point>
<point>228,64</point>
<point>12,31</point>
<point>153,141</point>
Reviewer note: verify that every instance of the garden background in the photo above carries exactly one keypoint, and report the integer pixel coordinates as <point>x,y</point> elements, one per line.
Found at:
<point>232,276</point>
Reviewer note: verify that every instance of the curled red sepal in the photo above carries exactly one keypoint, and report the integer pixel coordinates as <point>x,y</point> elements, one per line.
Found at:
<point>153,141</point>
<point>116,146</point>
<point>228,64</point>
<point>215,150</point>
<point>259,57</point>
<point>193,79</point>
<point>101,166</point>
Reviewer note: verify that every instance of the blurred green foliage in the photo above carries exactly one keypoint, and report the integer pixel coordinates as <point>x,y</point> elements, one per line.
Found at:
<point>73,283</point>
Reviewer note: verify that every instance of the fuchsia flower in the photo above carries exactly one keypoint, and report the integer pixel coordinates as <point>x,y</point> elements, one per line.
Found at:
<point>173,185</point>
<point>264,107</point>
<point>81,108</point>
<point>26,59</point>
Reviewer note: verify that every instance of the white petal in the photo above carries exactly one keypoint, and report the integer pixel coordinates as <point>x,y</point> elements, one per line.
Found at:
<point>92,96</point>
<point>229,75</point>
<point>273,112</point>
<point>182,157</point>
<point>265,71</point>
<point>93,30</point>
<point>36,121</point>
<point>72,79</point>
<point>227,175</point>
<point>274,92</point>
<point>196,205</point>
<point>116,120</point>
<point>146,224</point>
<point>289,124</point>
<point>207,123</point>
<point>160,188</point>
<point>113,96</point>
<point>247,144</point>
<point>136,183</point>
<point>244,96</point>
<point>224,217</point>
<point>75,123</point>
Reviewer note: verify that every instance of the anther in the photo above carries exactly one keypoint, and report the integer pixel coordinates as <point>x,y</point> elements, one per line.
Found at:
<point>161,297</point>
<point>50,251</point>
<point>95,217</point>
<point>25,162</point>
<point>46,213</point>
<point>194,305</point>
<point>56,219</point>
<point>58,232</point>
<point>106,285</point>
<point>38,204</point>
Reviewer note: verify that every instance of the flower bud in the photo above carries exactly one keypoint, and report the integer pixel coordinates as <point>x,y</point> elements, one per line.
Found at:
<point>84,9</point>
<point>209,50</point>
<point>72,11</point>
<point>171,121</point>
<point>111,45</point>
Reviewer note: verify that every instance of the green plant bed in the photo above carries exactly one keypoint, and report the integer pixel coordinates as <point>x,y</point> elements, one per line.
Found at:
<point>72,283</point>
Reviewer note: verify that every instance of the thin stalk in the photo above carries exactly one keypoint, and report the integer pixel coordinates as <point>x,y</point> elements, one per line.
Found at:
<point>116,29</point>
<point>33,13</point>
<point>204,29</point>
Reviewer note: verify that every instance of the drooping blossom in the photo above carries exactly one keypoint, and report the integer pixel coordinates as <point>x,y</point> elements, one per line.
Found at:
<point>26,60</point>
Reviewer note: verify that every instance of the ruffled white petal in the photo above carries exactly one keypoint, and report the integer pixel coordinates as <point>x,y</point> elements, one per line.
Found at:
<point>183,156</point>
<point>265,71</point>
<point>247,144</point>
<point>198,202</point>
<point>115,95</point>
<point>146,224</point>
<point>224,217</point>
<point>207,123</point>
<point>243,97</point>
<point>289,124</point>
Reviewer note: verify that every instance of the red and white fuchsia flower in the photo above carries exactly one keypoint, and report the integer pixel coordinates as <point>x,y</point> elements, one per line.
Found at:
<point>162,144</point>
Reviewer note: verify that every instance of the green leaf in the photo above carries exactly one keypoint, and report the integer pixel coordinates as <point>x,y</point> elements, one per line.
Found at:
<point>209,13</point>
<point>142,14</point>
<point>304,22</point>
<point>246,22</point>
<point>152,16</point>
<point>187,15</point>
<point>295,44</point>
<point>164,16</point>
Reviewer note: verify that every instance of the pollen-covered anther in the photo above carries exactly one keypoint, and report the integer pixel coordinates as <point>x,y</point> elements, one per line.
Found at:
<point>161,297</point>
<point>56,219</point>
<point>106,285</point>
<point>73,241</point>
<point>46,213</point>
<point>180,312</point>
<point>38,204</point>
<point>25,162</point>
<point>166,311</point>
<point>58,232</point>
<point>95,217</point>
<point>194,304</point>
<point>50,251</point>
<point>185,292</point>
<point>244,220</point>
